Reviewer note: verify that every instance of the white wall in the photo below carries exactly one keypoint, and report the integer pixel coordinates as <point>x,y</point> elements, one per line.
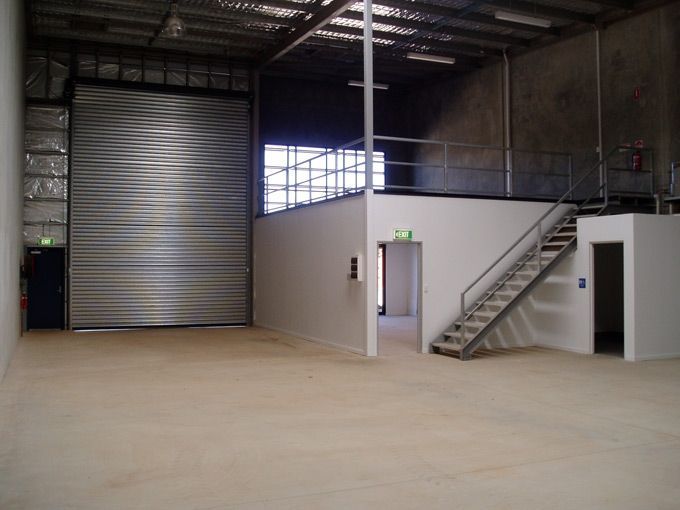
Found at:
<point>302,258</point>
<point>657,280</point>
<point>11,172</point>
<point>460,238</point>
<point>564,317</point>
<point>401,279</point>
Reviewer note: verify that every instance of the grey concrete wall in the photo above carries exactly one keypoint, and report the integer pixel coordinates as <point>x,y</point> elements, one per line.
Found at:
<point>11,172</point>
<point>554,99</point>
<point>466,109</point>
<point>644,52</point>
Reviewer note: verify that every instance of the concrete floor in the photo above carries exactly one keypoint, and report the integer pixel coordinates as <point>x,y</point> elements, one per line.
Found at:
<point>251,419</point>
<point>397,335</point>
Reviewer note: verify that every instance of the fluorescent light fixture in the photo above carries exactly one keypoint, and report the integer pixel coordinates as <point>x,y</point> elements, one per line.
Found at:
<point>357,83</point>
<point>430,58</point>
<point>521,18</point>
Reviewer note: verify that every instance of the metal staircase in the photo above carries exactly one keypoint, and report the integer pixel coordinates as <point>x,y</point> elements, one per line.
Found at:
<point>519,275</point>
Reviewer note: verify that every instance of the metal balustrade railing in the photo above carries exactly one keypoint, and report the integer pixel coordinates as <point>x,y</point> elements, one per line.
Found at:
<point>434,166</point>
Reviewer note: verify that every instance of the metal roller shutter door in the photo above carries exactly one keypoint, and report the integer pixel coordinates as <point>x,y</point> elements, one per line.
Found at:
<point>158,209</point>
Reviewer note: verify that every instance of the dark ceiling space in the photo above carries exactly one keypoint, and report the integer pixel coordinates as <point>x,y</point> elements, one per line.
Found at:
<point>323,38</point>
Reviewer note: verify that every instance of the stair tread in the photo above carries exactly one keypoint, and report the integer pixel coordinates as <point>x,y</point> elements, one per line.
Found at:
<point>447,346</point>
<point>472,324</point>
<point>484,313</point>
<point>456,334</point>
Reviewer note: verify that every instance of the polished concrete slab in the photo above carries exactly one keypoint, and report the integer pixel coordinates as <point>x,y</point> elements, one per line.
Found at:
<point>253,419</point>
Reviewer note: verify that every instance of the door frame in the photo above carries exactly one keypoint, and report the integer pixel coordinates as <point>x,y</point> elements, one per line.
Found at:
<point>64,281</point>
<point>382,275</point>
<point>419,292</point>
<point>627,349</point>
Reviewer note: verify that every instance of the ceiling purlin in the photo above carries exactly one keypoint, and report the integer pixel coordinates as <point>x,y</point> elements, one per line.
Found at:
<point>624,5</point>
<point>534,9</point>
<point>453,14</point>
<point>236,27</point>
<point>427,27</point>
<point>465,49</point>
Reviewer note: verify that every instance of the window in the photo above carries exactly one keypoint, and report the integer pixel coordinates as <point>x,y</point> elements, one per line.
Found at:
<point>301,175</point>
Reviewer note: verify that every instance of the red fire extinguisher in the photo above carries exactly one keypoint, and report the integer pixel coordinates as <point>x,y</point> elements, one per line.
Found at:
<point>24,301</point>
<point>637,160</point>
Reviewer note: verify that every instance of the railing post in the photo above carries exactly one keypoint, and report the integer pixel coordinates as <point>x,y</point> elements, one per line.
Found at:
<point>605,174</point>
<point>446,167</point>
<point>539,244</point>
<point>462,322</point>
<point>651,172</point>
<point>508,157</point>
<point>288,177</point>
<point>571,177</point>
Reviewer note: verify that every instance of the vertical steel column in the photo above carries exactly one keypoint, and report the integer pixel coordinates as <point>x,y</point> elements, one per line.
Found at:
<point>368,92</point>
<point>446,167</point>
<point>507,126</point>
<point>603,170</point>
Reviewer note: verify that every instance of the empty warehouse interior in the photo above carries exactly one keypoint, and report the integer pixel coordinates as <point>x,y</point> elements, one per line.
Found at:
<point>339,254</point>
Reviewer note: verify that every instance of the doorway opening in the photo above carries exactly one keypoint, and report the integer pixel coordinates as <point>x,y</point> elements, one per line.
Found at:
<point>399,298</point>
<point>608,325</point>
<point>381,279</point>
<point>45,288</point>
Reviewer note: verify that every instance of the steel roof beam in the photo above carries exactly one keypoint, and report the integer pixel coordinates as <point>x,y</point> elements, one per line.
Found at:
<point>306,29</point>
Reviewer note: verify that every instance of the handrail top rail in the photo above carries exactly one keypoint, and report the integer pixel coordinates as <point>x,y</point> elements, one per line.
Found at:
<point>420,140</point>
<point>467,145</point>
<point>539,221</point>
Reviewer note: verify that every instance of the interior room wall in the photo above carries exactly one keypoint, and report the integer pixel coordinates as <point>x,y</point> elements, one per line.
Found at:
<point>11,172</point>
<point>302,259</point>
<point>401,280</point>
<point>455,250</point>
<point>563,316</point>
<point>657,280</point>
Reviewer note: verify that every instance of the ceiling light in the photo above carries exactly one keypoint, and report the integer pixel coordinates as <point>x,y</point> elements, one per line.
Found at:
<point>430,58</point>
<point>521,18</point>
<point>173,26</point>
<point>357,83</point>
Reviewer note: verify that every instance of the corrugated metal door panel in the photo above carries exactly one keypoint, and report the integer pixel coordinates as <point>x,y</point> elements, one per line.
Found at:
<point>159,209</point>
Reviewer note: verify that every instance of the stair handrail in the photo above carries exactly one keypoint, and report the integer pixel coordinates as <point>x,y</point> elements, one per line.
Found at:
<point>537,224</point>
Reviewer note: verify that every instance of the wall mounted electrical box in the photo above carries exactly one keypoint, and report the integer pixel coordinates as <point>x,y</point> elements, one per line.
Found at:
<point>356,268</point>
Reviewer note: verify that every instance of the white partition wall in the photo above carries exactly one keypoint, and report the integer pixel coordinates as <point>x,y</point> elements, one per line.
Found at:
<point>460,238</point>
<point>302,259</point>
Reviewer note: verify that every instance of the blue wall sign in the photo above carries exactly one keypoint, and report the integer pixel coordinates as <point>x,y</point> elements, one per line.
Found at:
<point>581,283</point>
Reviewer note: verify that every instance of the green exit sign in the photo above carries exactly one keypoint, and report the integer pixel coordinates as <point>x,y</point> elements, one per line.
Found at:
<point>403,234</point>
<point>46,241</point>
